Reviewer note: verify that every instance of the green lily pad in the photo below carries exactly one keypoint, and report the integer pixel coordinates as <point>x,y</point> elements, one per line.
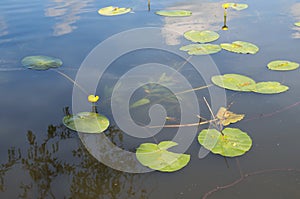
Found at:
<point>140,102</point>
<point>40,62</point>
<point>174,13</point>
<point>234,82</point>
<point>201,49</point>
<point>112,11</point>
<point>240,47</point>
<point>86,122</point>
<point>270,88</point>
<point>201,36</point>
<point>297,23</point>
<point>233,143</point>
<point>236,6</point>
<point>156,156</point>
<point>282,65</point>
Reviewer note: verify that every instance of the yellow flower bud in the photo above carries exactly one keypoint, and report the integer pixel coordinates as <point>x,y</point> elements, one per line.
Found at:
<point>93,98</point>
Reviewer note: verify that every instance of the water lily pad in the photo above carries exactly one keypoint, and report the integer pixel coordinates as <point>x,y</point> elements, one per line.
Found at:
<point>227,117</point>
<point>240,47</point>
<point>297,23</point>
<point>236,6</point>
<point>112,11</point>
<point>174,13</point>
<point>233,143</point>
<point>282,65</point>
<point>270,88</point>
<point>40,62</point>
<point>86,122</point>
<point>201,36</point>
<point>234,82</point>
<point>201,49</point>
<point>140,102</point>
<point>156,156</point>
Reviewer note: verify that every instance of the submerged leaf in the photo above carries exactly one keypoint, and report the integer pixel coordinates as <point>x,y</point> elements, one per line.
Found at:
<point>270,88</point>
<point>86,122</point>
<point>201,49</point>
<point>201,36</point>
<point>226,117</point>
<point>233,143</point>
<point>140,102</point>
<point>282,65</point>
<point>111,11</point>
<point>174,13</point>
<point>240,47</point>
<point>234,82</point>
<point>156,156</point>
<point>40,62</point>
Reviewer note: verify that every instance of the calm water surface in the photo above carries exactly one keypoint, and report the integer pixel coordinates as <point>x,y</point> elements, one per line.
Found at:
<point>40,158</point>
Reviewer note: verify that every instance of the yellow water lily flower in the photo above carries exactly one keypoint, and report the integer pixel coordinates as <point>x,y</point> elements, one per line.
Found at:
<point>93,98</point>
<point>226,5</point>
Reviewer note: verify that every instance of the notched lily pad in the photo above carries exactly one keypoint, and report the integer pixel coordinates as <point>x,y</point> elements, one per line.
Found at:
<point>86,122</point>
<point>282,65</point>
<point>240,47</point>
<point>201,36</point>
<point>201,49</point>
<point>234,82</point>
<point>40,62</point>
<point>233,143</point>
<point>174,13</point>
<point>112,11</point>
<point>270,88</point>
<point>156,156</point>
<point>227,117</point>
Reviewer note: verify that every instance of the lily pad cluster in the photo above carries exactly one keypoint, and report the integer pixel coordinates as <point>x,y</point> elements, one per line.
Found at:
<point>243,83</point>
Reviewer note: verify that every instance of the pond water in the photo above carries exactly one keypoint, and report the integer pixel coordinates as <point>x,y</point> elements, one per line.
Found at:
<point>40,158</point>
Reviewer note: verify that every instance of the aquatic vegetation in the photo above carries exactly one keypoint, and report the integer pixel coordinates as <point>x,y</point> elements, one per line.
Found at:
<point>240,47</point>
<point>174,13</point>
<point>231,142</point>
<point>201,36</point>
<point>297,23</point>
<point>140,102</point>
<point>112,11</point>
<point>201,49</point>
<point>157,157</point>
<point>238,82</point>
<point>227,117</point>
<point>236,6</point>
<point>282,65</point>
<point>93,98</point>
<point>41,62</point>
<point>86,122</point>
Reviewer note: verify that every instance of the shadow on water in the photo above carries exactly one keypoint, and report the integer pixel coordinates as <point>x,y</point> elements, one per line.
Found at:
<point>87,177</point>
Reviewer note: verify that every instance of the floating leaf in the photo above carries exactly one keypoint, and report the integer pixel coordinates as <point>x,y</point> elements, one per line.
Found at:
<point>270,88</point>
<point>86,122</point>
<point>156,156</point>
<point>201,36</point>
<point>240,47</point>
<point>282,65</point>
<point>226,117</point>
<point>40,62</point>
<point>297,23</point>
<point>234,82</point>
<point>201,49</point>
<point>236,6</point>
<point>174,13</point>
<point>140,102</point>
<point>111,11</point>
<point>233,143</point>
